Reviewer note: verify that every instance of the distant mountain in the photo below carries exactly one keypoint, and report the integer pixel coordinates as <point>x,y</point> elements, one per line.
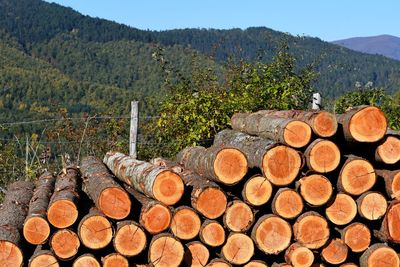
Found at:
<point>385,45</point>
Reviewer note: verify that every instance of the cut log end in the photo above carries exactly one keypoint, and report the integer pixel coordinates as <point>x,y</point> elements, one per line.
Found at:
<point>256,263</point>
<point>197,254</point>
<point>297,134</point>
<point>65,244</point>
<point>368,125</point>
<point>281,165</point>
<point>218,263</point>
<point>238,216</point>
<point>315,189</point>
<point>311,230</point>
<point>395,186</point>
<point>389,151</point>
<point>96,232</point>
<point>156,218</point>
<point>43,260</point>
<point>372,205</point>
<point>185,223</point>
<point>86,260</point>
<point>336,252</point>
<point>299,256</point>
<point>10,254</point>
<point>230,166</point>
<point>357,237</point>
<point>130,240</point>
<point>36,230</point>
<point>168,187</point>
<point>379,255</point>
<point>238,249</point>
<point>257,191</point>
<point>323,156</point>
<point>272,234</point>
<point>165,251</point>
<point>287,203</point>
<point>211,203</point>
<point>343,209</point>
<point>62,213</point>
<point>115,260</point>
<point>357,176</point>
<point>325,124</point>
<point>212,234</point>
<point>115,203</point>
<point>392,221</point>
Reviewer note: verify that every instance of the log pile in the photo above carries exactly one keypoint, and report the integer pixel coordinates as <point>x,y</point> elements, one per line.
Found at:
<point>281,188</point>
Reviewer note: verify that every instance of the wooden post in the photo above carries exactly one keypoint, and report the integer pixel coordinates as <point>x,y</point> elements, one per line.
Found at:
<point>316,103</point>
<point>133,129</point>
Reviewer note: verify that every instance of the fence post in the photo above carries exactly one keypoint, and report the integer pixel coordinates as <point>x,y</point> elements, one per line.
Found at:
<point>133,129</point>
<point>316,101</point>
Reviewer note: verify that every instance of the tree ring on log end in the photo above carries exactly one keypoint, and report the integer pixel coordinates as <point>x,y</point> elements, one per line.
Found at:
<point>62,213</point>
<point>168,187</point>
<point>10,254</point>
<point>230,166</point>
<point>212,203</point>
<point>325,124</point>
<point>115,203</point>
<point>36,230</point>
<point>297,134</point>
<point>368,125</point>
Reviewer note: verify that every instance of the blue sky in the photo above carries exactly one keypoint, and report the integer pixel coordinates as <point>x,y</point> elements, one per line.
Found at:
<point>327,19</point>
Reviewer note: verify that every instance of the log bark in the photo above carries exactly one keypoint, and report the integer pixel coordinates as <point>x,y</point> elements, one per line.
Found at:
<point>257,191</point>
<point>197,254</point>
<point>115,260</point>
<point>392,182</point>
<point>335,252</point>
<point>185,223</point>
<point>108,196</point>
<point>372,205</point>
<point>298,255</point>
<point>86,260</point>
<point>238,216</point>
<point>311,230</point>
<point>315,189</point>
<point>155,217</point>
<point>323,123</point>
<point>322,156</point>
<point>294,133</point>
<point>238,249</point>
<point>390,228</point>
<point>165,251</point>
<point>36,228</point>
<point>379,255</point>
<point>356,236</point>
<point>271,234</point>
<point>95,230</point>
<point>287,203</point>
<point>62,210</point>
<point>207,197</point>
<point>42,258</point>
<point>389,151</point>
<point>357,176</point>
<point>342,210</point>
<point>129,239</point>
<point>154,181</point>
<point>221,164</point>
<point>212,233</point>
<point>65,244</point>
<point>279,163</point>
<point>363,124</point>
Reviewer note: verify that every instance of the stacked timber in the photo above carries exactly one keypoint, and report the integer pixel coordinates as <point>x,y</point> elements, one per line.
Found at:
<point>281,188</point>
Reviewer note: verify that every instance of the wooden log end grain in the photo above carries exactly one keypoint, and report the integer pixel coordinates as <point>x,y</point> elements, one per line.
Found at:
<point>42,258</point>
<point>130,239</point>
<point>257,191</point>
<point>95,230</point>
<point>299,256</point>
<point>390,229</point>
<point>356,236</point>
<point>197,254</point>
<point>185,223</point>
<point>218,263</point>
<point>238,249</point>
<point>230,165</point>
<point>62,213</point>
<point>322,156</point>
<point>342,210</point>
<point>335,252</point>
<point>256,263</point>
<point>349,264</point>
<point>392,182</point>
<point>168,187</point>
<point>165,251</point>
<point>311,230</point>
<point>372,205</point>
<point>85,260</point>
<point>10,251</point>
<point>325,124</point>
<point>281,165</point>
<point>36,230</point>
<point>115,260</point>
<point>65,244</point>
<point>210,202</point>
<point>155,218</point>
<point>287,203</point>
<point>356,176</point>
<point>238,216</point>
<point>212,233</point>
<point>315,189</point>
<point>379,255</point>
<point>271,234</point>
<point>297,134</point>
<point>115,203</point>
<point>389,151</point>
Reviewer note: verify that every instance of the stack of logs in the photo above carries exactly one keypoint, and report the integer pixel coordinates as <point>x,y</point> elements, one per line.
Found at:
<point>282,188</point>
